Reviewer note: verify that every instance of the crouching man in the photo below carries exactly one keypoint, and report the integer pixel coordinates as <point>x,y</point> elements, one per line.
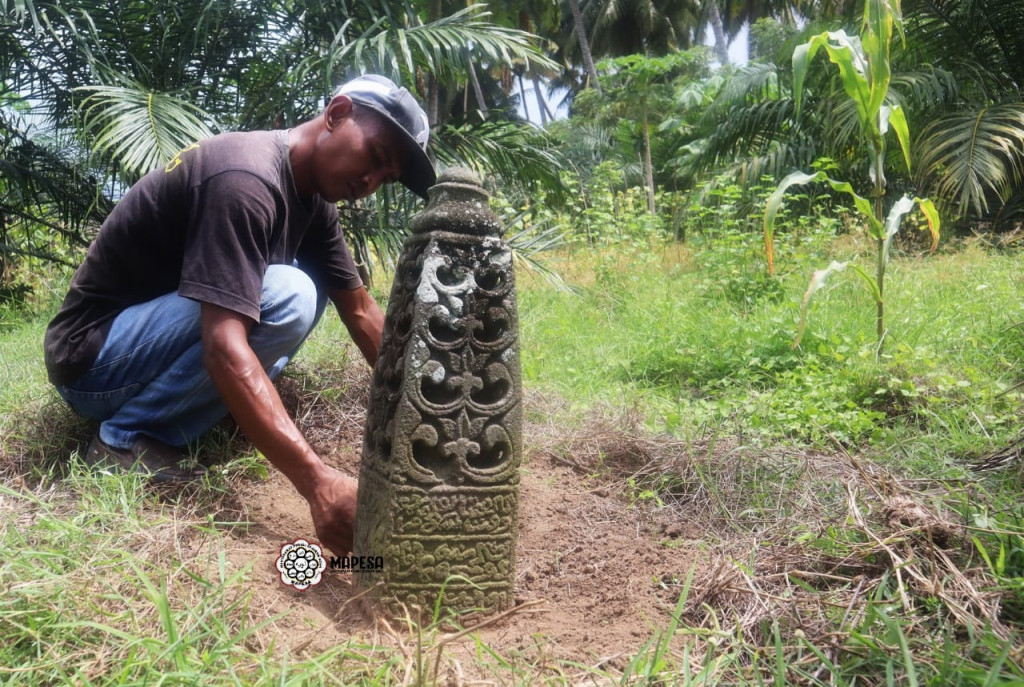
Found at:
<point>209,274</point>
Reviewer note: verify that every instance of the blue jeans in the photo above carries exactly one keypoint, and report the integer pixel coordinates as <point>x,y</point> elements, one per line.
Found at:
<point>149,377</point>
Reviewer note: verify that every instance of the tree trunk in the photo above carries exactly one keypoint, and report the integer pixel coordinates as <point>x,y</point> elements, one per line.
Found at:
<point>522,96</point>
<point>4,266</point>
<point>648,167</point>
<point>545,113</point>
<point>433,87</point>
<point>721,42</point>
<point>433,100</point>
<point>581,36</point>
<point>446,106</point>
<point>477,91</point>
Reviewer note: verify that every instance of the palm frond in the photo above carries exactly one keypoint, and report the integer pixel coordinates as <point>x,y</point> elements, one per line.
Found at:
<point>528,243</point>
<point>439,46</point>
<point>586,145</point>
<point>138,128</point>
<point>1012,210</point>
<point>924,87</point>
<point>516,153</point>
<point>19,10</point>
<point>972,157</point>
<point>777,160</point>
<point>743,132</point>
<point>47,195</point>
<point>375,227</point>
<point>986,33</point>
<point>754,82</point>
<point>841,126</point>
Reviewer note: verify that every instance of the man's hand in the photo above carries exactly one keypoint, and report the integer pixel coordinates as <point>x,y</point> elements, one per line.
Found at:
<point>333,507</point>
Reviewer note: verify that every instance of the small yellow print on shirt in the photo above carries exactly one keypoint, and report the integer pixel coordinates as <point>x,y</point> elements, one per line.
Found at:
<point>173,164</point>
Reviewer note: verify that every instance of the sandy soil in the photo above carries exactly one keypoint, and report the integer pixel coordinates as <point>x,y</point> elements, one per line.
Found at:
<point>601,570</point>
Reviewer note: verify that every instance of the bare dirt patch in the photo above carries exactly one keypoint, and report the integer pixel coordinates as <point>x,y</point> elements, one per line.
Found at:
<point>594,563</point>
<point>607,574</point>
<point>613,520</point>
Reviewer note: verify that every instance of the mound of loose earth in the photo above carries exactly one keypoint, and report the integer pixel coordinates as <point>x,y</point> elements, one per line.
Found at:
<point>604,579</point>
<point>596,575</point>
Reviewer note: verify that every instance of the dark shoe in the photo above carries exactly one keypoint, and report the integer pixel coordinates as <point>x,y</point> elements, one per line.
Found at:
<point>162,463</point>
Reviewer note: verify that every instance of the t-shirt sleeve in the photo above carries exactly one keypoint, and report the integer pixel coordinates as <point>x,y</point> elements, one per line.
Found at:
<point>227,247</point>
<point>325,256</point>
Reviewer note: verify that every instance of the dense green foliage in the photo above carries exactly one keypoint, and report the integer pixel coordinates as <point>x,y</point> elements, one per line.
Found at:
<point>963,106</point>
<point>96,95</point>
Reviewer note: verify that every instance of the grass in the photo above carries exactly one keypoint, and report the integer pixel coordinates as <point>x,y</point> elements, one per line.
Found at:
<point>670,333</point>
<point>691,341</point>
<point>96,591</point>
<point>844,538</point>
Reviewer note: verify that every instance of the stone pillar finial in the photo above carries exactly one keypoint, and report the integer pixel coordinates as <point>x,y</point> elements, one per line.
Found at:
<point>458,203</point>
<point>439,479</point>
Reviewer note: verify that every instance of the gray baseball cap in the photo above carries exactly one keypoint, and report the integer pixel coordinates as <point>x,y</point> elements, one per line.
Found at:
<point>399,107</point>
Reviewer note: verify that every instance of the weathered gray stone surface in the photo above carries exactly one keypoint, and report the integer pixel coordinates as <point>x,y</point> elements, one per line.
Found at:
<point>438,485</point>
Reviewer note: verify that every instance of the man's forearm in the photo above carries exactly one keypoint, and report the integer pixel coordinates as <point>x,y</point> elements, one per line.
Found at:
<point>255,404</point>
<point>363,319</point>
<point>367,342</point>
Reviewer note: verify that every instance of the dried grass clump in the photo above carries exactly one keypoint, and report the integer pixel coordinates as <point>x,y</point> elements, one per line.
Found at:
<point>612,443</point>
<point>328,404</point>
<point>825,595</point>
<point>1007,457</point>
<point>618,443</point>
<point>811,540</point>
<point>927,555</point>
<point>711,480</point>
<point>42,433</point>
<point>903,513</point>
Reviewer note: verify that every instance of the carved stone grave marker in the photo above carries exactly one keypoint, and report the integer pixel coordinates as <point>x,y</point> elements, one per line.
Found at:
<point>439,480</point>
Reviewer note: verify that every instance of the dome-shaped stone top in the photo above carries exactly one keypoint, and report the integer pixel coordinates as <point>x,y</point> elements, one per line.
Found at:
<point>458,203</point>
<point>459,175</point>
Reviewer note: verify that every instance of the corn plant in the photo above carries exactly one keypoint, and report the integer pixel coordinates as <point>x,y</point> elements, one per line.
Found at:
<point>864,70</point>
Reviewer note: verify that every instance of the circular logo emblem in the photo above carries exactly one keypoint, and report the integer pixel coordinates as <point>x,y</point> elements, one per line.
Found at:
<point>301,564</point>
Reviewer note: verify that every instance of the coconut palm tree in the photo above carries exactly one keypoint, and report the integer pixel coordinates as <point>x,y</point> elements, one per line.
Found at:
<point>727,18</point>
<point>596,29</point>
<point>580,33</point>
<point>648,27</point>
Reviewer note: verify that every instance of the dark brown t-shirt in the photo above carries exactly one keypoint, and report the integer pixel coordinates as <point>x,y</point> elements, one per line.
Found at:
<point>207,226</point>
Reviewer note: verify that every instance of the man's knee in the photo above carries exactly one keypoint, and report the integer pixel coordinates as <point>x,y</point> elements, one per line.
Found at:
<point>289,303</point>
